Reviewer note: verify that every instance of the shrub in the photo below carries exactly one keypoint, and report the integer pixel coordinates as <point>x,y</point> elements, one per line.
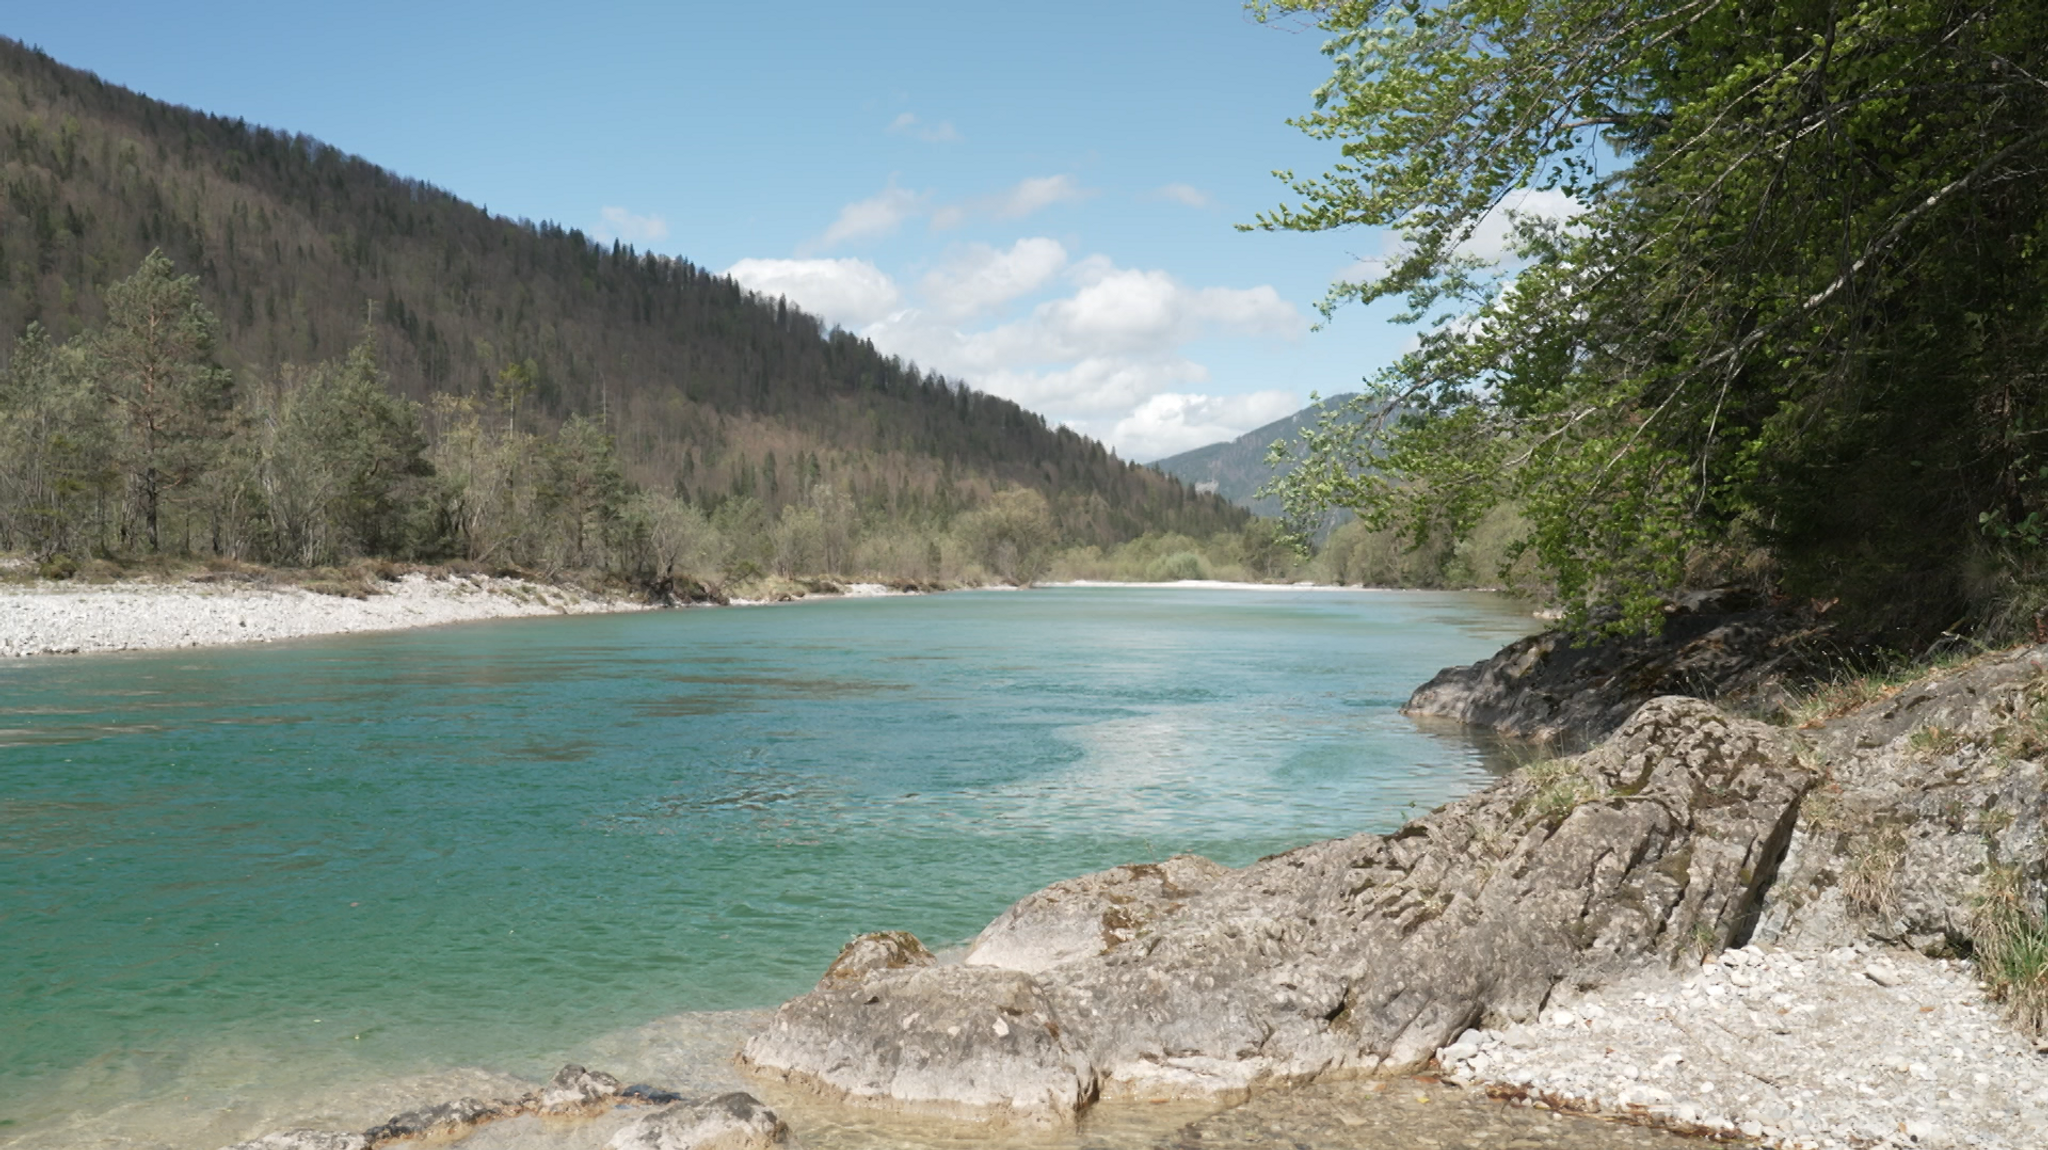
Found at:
<point>1178,566</point>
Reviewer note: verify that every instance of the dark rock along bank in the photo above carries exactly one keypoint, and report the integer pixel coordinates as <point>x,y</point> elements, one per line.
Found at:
<point>1547,687</point>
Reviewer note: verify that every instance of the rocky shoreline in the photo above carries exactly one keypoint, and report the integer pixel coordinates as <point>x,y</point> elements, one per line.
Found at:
<point>1705,924</point>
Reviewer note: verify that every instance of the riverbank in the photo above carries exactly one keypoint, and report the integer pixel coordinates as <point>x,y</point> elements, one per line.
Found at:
<point>214,609</point>
<point>1706,923</point>
<point>61,618</point>
<point>1853,1047</point>
<point>211,609</point>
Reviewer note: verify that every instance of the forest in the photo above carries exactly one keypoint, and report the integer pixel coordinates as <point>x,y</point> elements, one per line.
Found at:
<point>512,392</point>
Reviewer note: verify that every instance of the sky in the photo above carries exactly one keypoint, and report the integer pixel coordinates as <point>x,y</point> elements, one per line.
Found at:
<point>1038,198</point>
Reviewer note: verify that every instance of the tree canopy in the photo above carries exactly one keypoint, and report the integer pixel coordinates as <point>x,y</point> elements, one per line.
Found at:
<point>1793,330</point>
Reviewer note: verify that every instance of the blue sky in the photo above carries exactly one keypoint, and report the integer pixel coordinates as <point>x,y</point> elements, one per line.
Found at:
<point>1035,197</point>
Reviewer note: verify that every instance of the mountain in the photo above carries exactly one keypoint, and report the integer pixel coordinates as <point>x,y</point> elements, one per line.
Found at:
<point>1236,469</point>
<point>711,391</point>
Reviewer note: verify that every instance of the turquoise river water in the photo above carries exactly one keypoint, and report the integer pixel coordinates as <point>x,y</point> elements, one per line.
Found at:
<point>238,884</point>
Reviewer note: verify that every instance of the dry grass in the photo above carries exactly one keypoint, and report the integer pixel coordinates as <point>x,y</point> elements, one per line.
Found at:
<point>2011,944</point>
<point>1871,881</point>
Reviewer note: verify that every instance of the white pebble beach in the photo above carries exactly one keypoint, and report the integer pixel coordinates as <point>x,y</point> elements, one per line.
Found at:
<point>52,618</point>
<point>1855,1047</point>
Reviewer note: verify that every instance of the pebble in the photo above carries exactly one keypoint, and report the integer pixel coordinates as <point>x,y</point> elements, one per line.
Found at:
<point>68,618</point>
<point>1852,1048</point>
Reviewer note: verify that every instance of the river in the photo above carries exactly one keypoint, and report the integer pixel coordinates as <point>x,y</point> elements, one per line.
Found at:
<point>243,887</point>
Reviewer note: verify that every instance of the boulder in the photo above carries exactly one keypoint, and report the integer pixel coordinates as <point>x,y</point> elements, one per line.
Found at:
<point>1354,956</point>
<point>879,951</point>
<point>574,1090</point>
<point>735,1121</point>
<point>442,1119</point>
<point>956,1041</point>
<point>1090,915</point>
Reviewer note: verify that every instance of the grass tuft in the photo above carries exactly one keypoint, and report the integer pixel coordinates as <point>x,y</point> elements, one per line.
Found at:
<point>1872,878</point>
<point>2011,943</point>
<point>1559,787</point>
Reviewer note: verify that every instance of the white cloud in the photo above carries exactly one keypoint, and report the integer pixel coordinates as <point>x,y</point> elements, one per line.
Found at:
<point>978,277</point>
<point>908,124</point>
<point>620,224</point>
<point>1036,193</point>
<point>1113,342</point>
<point>878,215</point>
<point>1187,194</point>
<point>1108,352</point>
<point>1097,386</point>
<point>1172,422</point>
<point>1492,240</point>
<point>847,292</point>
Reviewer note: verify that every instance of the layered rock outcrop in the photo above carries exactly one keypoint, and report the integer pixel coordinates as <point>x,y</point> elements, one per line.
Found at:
<point>1931,795</point>
<point>1354,956</point>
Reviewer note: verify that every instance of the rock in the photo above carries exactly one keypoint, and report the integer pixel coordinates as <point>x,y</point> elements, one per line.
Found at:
<point>441,1120</point>
<point>1091,915</point>
<point>305,1140</point>
<point>574,1089</point>
<point>735,1121</point>
<point>1929,788</point>
<point>882,950</point>
<point>1882,973</point>
<point>973,1042</point>
<point>1359,955</point>
<point>1714,645</point>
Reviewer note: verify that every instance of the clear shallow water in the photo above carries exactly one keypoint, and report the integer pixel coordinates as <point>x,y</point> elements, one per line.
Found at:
<point>246,872</point>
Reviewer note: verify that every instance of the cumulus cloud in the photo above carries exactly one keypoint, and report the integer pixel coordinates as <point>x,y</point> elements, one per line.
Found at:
<point>847,292</point>
<point>978,277</point>
<point>1187,194</point>
<point>620,224</point>
<point>1172,422</point>
<point>878,215</point>
<point>1104,348</point>
<point>908,124</point>
<point>1112,342</point>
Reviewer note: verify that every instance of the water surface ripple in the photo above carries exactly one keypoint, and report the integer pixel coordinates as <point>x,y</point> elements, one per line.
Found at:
<point>244,869</point>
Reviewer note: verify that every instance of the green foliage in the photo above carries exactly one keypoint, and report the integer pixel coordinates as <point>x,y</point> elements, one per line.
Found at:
<point>1012,536</point>
<point>153,365</point>
<point>1806,312</point>
<point>1177,567</point>
<point>329,465</point>
<point>57,467</point>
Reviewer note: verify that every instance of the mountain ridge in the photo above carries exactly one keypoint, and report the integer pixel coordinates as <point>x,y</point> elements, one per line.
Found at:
<point>1237,468</point>
<point>712,392</point>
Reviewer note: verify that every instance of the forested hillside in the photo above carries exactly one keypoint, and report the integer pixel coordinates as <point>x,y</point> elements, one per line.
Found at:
<point>712,395</point>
